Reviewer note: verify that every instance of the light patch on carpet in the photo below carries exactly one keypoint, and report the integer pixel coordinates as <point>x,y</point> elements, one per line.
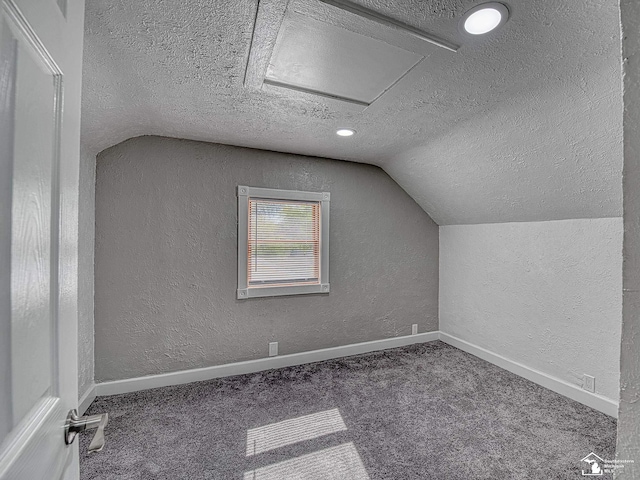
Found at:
<point>288,432</point>
<point>335,463</point>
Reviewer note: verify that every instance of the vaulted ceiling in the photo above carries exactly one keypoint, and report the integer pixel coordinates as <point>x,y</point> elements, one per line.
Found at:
<point>522,124</point>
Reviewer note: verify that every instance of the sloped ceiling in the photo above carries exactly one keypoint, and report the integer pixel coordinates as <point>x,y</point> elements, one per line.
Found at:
<point>523,124</point>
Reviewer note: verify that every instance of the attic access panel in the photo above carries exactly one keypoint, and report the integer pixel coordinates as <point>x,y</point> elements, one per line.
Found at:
<point>322,59</point>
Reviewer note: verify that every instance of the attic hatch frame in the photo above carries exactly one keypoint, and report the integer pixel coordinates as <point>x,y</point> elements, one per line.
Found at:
<point>337,13</point>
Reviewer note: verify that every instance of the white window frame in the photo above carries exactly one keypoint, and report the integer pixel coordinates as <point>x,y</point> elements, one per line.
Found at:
<point>244,193</point>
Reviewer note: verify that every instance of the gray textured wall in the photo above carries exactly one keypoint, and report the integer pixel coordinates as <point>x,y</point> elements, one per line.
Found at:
<point>165,273</point>
<point>86,244</point>
<point>629,413</point>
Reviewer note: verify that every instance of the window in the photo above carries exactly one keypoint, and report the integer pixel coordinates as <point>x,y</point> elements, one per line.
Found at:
<point>283,242</point>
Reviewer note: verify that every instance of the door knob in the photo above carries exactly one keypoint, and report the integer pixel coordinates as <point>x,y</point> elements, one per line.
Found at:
<point>75,425</point>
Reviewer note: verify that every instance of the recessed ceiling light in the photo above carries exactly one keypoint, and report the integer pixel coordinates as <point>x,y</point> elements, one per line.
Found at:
<point>484,18</point>
<point>345,132</point>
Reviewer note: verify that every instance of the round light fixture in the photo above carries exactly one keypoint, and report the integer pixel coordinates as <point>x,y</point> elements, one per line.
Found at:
<point>345,132</point>
<point>484,18</point>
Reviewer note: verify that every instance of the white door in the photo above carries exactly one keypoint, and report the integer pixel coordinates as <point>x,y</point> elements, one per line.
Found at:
<point>40,82</point>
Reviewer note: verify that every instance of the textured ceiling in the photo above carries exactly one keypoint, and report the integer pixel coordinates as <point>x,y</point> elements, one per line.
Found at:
<point>523,124</point>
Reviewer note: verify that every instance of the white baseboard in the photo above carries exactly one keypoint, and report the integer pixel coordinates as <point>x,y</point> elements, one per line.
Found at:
<point>87,399</point>
<point>186,376</point>
<point>555,384</point>
<point>598,402</point>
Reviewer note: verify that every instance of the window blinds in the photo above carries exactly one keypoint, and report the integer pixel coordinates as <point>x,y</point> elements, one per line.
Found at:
<point>284,242</point>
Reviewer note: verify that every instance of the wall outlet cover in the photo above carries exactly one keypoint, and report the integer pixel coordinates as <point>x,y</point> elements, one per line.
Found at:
<point>589,383</point>
<point>414,329</point>
<point>273,349</point>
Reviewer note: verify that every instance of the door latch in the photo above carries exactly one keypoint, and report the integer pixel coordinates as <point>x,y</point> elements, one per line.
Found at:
<point>75,425</point>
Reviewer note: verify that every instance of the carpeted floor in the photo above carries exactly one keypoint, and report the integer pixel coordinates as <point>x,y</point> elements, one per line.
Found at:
<point>427,411</point>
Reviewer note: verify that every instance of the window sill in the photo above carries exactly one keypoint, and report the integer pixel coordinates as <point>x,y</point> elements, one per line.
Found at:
<point>255,292</point>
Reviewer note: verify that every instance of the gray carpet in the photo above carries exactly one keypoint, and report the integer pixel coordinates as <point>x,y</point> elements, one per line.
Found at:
<point>427,411</point>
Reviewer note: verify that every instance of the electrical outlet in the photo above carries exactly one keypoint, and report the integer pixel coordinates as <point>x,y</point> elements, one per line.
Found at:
<point>273,349</point>
<point>589,383</point>
<point>414,329</point>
